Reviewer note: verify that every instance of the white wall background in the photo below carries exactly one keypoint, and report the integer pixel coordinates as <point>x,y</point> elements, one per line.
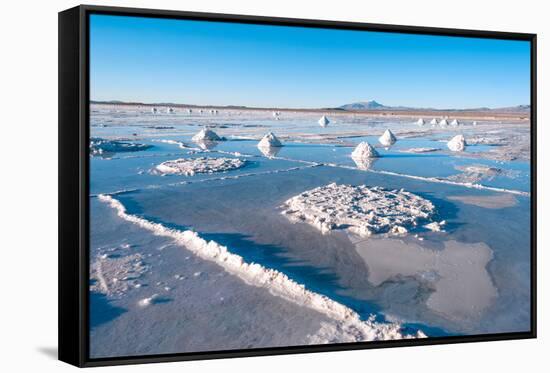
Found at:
<point>28,196</point>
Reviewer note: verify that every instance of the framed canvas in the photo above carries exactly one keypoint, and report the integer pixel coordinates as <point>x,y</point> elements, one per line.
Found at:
<point>235,186</point>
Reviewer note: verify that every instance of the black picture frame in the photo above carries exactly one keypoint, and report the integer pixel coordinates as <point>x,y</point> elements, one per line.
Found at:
<point>74,184</point>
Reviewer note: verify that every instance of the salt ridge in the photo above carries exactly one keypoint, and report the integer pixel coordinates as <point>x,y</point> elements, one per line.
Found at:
<point>348,325</point>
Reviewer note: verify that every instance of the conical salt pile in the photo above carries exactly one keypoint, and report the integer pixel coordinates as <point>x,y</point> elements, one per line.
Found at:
<point>474,123</point>
<point>443,122</point>
<point>364,151</point>
<point>154,110</point>
<point>169,110</point>
<point>457,144</point>
<point>433,121</point>
<point>455,122</point>
<point>269,140</point>
<point>206,135</point>
<point>323,121</point>
<point>420,122</point>
<point>387,139</point>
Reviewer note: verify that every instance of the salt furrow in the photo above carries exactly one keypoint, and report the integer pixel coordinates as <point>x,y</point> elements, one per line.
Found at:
<point>347,325</point>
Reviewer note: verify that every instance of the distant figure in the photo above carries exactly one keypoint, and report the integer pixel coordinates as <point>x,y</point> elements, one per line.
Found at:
<point>323,121</point>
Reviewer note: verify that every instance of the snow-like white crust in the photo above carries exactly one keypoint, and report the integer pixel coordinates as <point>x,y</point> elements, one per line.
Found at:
<point>206,135</point>
<point>360,209</point>
<point>363,152</point>
<point>202,165</point>
<point>420,150</point>
<point>323,121</point>
<point>346,325</point>
<point>115,275</point>
<point>457,144</point>
<point>99,146</point>
<point>387,138</point>
<point>269,140</point>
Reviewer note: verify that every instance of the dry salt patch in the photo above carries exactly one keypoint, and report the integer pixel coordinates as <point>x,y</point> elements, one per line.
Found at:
<point>477,172</point>
<point>99,146</point>
<point>114,275</point>
<point>202,165</point>
<point>361,210</point>
<point>420,150</point>
<point>345,324</point>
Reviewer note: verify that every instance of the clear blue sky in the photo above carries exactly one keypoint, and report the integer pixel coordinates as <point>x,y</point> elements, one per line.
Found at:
<point>197,62</point>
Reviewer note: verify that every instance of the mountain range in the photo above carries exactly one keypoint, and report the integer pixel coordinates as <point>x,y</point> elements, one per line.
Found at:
<point>374,105</point>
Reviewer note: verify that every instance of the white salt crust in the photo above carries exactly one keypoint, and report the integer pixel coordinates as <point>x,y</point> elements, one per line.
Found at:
<point>361,210</point>
<point>202,165</point>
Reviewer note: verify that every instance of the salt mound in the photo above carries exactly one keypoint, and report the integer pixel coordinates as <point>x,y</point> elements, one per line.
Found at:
<point>154,110</point>
<point>189,111</point>
<point>202,165</point>
<point>360,209</point>
<point>206,135</point>
<point>420,122</point>
<point>387,139</point>
<point>269,140</point>
<point>169,110</point>
<point>474,123</point>
<point>323,121</point>
<point>443,122</point>
<point>457,144</point>
<point>454,122</point>
<point>433,122</point>
<point>99,146</point>
<point>364,151</point>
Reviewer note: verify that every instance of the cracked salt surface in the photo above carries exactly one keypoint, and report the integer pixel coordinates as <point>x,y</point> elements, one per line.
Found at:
<point>192,166</point>
<point>362,210</point>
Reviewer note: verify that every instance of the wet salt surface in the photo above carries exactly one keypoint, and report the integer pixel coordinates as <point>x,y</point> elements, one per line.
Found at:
<point>240,209</point>
<point>327,264</point>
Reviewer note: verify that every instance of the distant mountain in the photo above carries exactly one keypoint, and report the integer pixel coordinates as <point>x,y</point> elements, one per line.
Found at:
<point>374,105</point>
<point>364,105</point>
